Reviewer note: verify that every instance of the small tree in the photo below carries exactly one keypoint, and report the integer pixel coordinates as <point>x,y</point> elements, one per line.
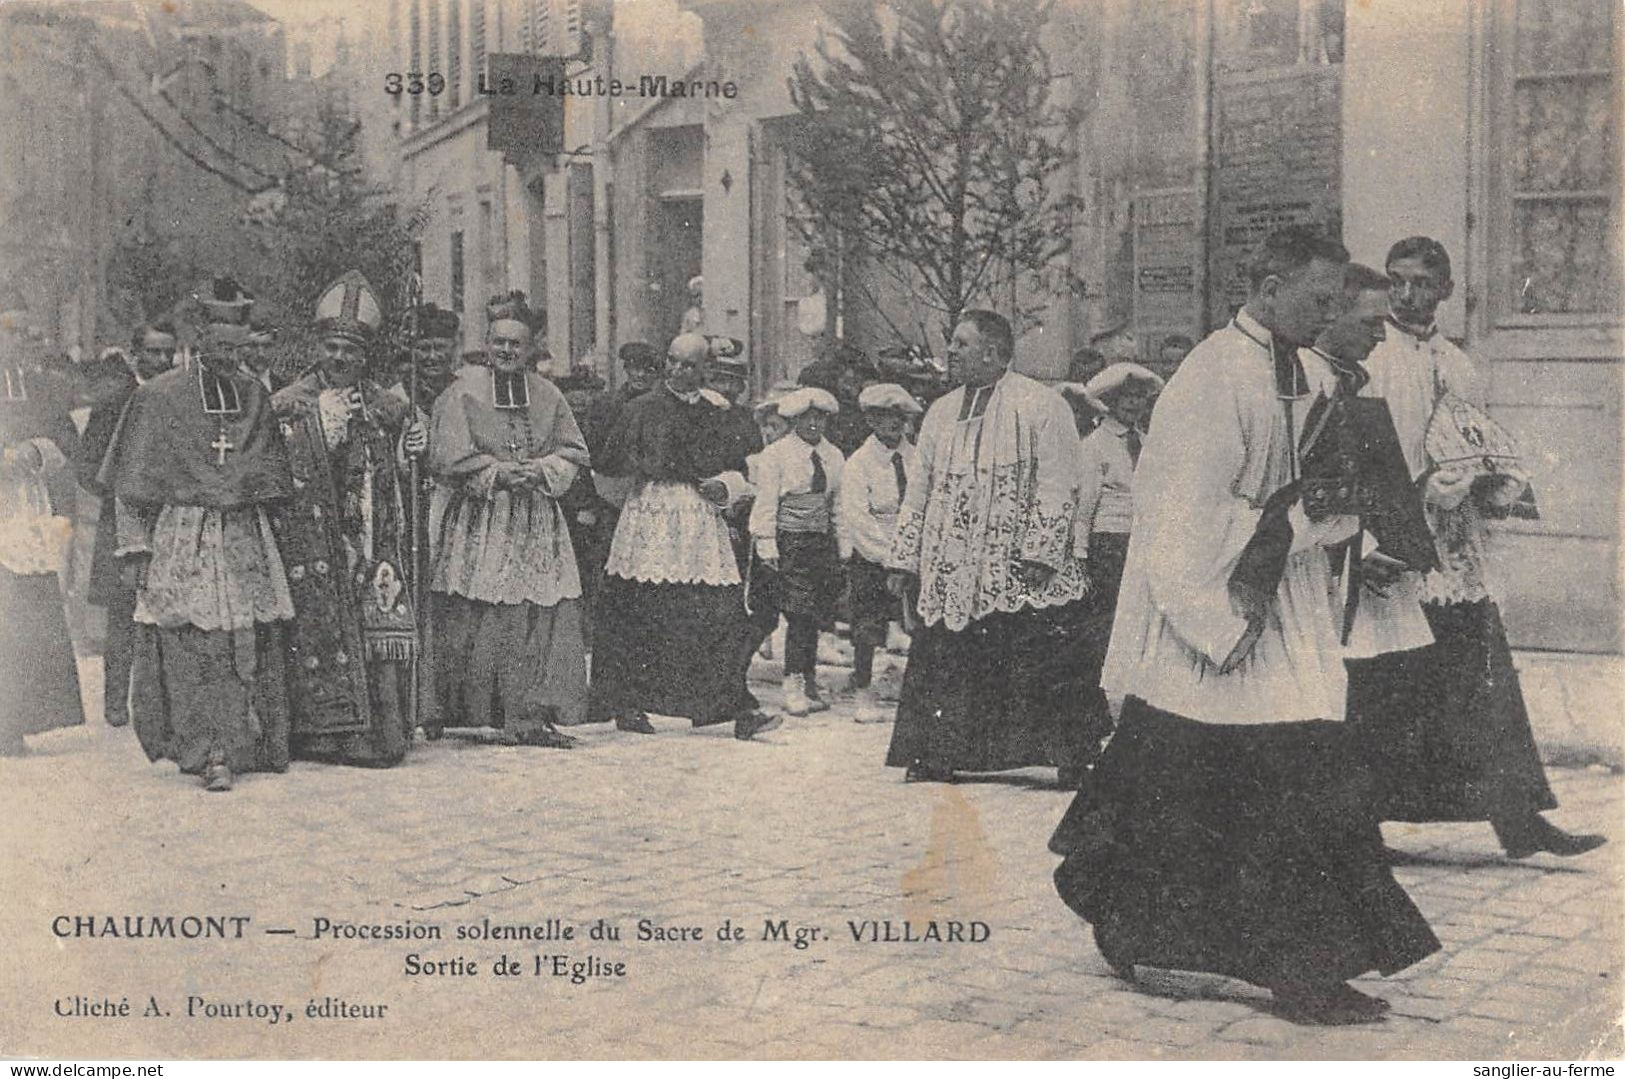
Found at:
<point>324,219</point>
<point>927,151</point>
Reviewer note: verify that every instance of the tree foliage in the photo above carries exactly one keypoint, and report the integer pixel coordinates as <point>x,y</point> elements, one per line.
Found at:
<point>928,151</point>
<point>285,244</point>
<point>325,218</point>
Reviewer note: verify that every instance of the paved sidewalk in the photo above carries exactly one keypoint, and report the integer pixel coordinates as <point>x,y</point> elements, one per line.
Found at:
<point>689,828</point>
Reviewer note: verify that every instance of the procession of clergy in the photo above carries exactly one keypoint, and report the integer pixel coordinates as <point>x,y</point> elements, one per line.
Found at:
<point>301,573</point>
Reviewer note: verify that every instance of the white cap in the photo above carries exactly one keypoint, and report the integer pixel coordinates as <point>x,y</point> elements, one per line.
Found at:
<point>1118,375</point>
<point>794,404</point>
<point>888,395</point>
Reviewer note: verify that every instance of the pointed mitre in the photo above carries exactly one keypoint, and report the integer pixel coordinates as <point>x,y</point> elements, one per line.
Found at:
<point>349,308</point>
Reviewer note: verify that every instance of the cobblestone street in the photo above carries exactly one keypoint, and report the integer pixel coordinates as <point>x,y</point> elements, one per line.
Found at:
<point>691,828</point>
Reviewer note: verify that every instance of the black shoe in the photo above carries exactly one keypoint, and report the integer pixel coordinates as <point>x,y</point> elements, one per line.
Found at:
<point>1337,1005</point>
<point>1564,845</point>
<point>1539,834</point>
<point>748,727</point>
<point>921,772</point>
<point>637,723</point>
<point>545,737</point>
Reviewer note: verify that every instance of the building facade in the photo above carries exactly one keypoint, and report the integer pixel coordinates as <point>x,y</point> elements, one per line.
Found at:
<point>129,125</point>
<point>1196,127</point>
<point>1491,125</point>
<point>513,217</point>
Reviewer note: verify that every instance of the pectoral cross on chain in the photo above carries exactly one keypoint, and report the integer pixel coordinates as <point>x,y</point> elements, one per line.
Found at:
<point>222,445</point>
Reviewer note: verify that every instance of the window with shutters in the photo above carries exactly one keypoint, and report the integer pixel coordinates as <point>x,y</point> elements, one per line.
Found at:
<point>476,39</point>
<point>541,26</point>
<point>434,67</point>
<point>458,278</point>
<point>454,54</point>
<point>1552,74</point>
<point>414,32</point>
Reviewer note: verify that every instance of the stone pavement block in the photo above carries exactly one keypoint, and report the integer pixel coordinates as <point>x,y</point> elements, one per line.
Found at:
<point>983,1011</point>
<point>1443,986</point>
<point>1479,965</point>
<point>1535,999</point>
<point>1206,1011</point>
<point>1259,1030</point>
<point>1559,926</point>
<point>1512,1011</point>
<point>1544,976</point>
<point>1580,956</point>
<point>1433,1008</point>
<point>437,899</point>
<point>938,1038</point>
<point>486,884</point>
<point>1482,1037</point>
<point>1518,942</point>
<point>1487,923</point>
<point>1177,1033</point>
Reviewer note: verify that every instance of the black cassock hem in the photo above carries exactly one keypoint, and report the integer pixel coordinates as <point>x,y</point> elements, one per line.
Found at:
<point>1007,691</point>
<point>671,649</point>
<point>1246,850</point>
<point>1444,728</point>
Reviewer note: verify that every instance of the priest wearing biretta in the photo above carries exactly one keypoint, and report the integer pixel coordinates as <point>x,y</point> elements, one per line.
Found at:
<point>194,468</point>
<point>505,449</point>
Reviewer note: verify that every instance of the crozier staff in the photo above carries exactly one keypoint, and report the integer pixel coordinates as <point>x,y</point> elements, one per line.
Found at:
<point>346,537</point>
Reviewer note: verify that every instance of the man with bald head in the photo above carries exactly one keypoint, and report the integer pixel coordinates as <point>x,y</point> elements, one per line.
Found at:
<point>670,625</point>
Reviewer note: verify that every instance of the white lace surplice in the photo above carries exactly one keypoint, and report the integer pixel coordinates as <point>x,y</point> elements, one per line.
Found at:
<point>210,568</point>
<point>992,491</point>
<point>499,545</point>
<point>512,547</point>
<point>670,534</point>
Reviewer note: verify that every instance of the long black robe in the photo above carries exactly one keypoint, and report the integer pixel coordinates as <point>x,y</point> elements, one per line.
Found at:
<point>107,590</point>
<point>673,649</point>
<point>1444,728</point>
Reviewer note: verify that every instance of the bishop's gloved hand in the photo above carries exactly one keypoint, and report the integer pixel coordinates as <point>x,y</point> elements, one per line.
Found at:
<point>416,439</point>
<point>132,572</point>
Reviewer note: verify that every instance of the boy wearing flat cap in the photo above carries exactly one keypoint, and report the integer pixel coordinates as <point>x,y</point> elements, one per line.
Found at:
<point>1106,510</point>
<point>872,489</point>
<point>793,527</point>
